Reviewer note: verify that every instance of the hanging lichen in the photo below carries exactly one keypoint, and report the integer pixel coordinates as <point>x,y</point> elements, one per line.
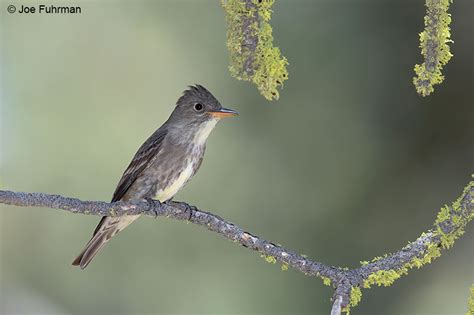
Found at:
<point>434,46</point>
<point>250,43</point>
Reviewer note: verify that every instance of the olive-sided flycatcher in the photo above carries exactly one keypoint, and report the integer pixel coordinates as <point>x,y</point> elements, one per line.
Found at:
<point>164,163</point>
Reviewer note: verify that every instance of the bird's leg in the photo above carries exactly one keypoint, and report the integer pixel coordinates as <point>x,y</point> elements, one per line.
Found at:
<point>152,206</point>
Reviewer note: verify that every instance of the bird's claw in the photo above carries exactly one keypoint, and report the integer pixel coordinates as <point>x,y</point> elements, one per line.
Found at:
<point>152,206</point>
<point>191,210</point>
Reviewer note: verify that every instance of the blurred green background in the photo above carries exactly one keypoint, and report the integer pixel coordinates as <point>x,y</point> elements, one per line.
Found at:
<point>349,164</point>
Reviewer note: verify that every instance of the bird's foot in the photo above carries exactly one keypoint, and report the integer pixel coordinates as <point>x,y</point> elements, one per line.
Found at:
<point>190,209</point>
<point>153,207</point>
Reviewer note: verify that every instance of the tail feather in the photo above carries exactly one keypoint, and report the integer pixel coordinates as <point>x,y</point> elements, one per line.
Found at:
<point>92,248</point>
<point>107,228</point>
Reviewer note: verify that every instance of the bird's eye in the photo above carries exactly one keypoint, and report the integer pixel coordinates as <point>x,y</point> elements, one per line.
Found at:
<point>198,107</point>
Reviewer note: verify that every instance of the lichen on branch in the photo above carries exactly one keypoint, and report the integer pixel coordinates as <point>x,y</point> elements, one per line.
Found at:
<point>434,46</point>
<point>449,225</point>
<point>381,271</point>
<point>250,43</point>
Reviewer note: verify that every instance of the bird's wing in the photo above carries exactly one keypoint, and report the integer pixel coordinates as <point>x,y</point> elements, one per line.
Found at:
<point>140,161</point>
<point>109,226</point>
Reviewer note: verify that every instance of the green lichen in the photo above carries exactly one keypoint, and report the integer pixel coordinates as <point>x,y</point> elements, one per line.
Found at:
<point>457,214</point>
<point>284,267</point>
<point>250,43</point>
<point>356,296</point>
<point>379,258</point>
<point>269,259</point>
<point>443,215</point>
<point>382,278</point>
<point>470,302</point>
<point>326,280</point>
<point>434,46</point>
<point>449,225</point>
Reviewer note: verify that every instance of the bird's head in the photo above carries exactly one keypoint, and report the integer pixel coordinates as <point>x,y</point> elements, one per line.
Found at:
<point>197,111</point>
<point>198,105</point>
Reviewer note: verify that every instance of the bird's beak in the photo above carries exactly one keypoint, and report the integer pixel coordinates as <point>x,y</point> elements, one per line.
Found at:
<point>224,112</point>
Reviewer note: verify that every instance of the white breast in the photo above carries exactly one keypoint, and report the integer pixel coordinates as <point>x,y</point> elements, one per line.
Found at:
<point>172,189</point>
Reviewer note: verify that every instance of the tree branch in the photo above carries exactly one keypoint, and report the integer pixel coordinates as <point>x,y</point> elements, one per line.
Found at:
<point>381,271</point>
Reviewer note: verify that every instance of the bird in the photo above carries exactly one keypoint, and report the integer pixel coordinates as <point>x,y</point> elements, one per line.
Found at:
<point>164,163</point>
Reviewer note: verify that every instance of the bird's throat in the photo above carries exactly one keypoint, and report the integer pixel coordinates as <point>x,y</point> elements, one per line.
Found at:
<point>204,130</point>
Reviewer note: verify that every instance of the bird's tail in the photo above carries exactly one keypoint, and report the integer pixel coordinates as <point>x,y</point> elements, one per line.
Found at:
<point>92,248</point>
<point>107,228</point>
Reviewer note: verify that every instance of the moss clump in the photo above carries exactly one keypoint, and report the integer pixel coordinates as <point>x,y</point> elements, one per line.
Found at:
<point>434,46</point>
<point>284,267</point>
<point>250,43</point>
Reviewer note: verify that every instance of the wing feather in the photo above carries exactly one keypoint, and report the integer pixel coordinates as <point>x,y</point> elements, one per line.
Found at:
<point>140,161</point>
